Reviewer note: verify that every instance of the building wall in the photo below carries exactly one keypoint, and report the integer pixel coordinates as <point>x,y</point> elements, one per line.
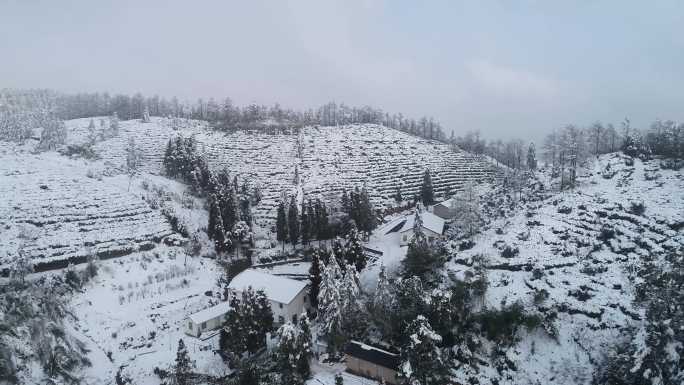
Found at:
<point>368,369</point>
<point>287,311</point>
<point>196,329</point>
<point>406,236</point>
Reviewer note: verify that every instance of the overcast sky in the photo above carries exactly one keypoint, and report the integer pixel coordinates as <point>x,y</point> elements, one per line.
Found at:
<point>506,68</point>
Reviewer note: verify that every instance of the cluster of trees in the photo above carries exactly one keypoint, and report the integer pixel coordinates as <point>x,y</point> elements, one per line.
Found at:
<point>315,223</point>
<point>512,153</point>
<point>332,114</point>
<point>230,203</point>
<point>247,324</point>
<point>661,360</point>
<point>427,192</point>
<point>312,223</point>
<point>223,115</point>
<point>356,204</point>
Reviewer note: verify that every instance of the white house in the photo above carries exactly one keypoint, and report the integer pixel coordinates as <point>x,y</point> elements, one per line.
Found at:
<point>207,319</point>
<point>433,227</point>
<point>288,297</point>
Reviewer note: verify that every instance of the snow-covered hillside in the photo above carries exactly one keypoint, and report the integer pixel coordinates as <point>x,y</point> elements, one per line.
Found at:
<point>57,210</point>
<point>331,158</point>
<point>573,257</point>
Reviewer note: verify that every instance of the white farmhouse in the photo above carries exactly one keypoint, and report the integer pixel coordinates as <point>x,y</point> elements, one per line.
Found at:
<point>207,319</point>
<point>433,227</point>
<point>288,297</point>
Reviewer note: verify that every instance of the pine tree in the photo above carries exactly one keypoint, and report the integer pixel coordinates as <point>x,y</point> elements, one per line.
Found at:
<point>315,279</point>
<point>345,202</point>
<point>531,158</point>
<point>382,306</point>
<point>290,353</point>
<point>293,222</point>
<point>184,366</point>
<point>354,253</point>
<point>421,360</point>
<point>281,224</point>
<point>427,194</point>
<point>329,308</point>
<point>215,229</point>
<point>248,321</point>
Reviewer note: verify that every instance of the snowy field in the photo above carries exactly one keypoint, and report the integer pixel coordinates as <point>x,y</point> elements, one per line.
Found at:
<point>131,315</point>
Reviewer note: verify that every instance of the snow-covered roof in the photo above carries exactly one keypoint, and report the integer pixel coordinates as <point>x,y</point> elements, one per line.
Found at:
<point>210,313</point>
<point>430,221</point>
<point>278,289</point>
<point>373,354</point>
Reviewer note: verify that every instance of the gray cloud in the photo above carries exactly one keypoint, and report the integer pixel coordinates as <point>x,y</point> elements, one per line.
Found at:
<point>504,68</point>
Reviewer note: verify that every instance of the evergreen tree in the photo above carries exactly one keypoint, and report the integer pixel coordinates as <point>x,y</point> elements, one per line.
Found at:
<point>421,360</point>
<point>248,321</point>
<point>354,253</point>
<point>184,366</point>
<point>329,308</point>
<point>427,194</point>
<point>382,305</point>
<point>293,354</point>
<point>215,229</point>
<point>345,203</point>
<point>531,157</point>
<point>281,224</point>
<point>315,278</point>
<point>293,221</point>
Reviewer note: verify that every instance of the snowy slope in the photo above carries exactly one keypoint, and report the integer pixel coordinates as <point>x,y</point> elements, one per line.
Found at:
<point>56,210</point>
<point>332,158</point>
<point>589,279</point>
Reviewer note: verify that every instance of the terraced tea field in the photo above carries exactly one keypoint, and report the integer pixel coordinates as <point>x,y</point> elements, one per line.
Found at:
<point>327,159</point>
<point>54,214</point>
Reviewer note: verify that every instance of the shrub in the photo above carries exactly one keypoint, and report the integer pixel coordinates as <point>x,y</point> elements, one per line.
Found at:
<point>607,232</point>
<point>83,150</point>
<point>565,210</point>
<point>540,296</point>
<point>637,208</point>
<point>502,325</point>
<point>466,245</point>
<point>510,252</point>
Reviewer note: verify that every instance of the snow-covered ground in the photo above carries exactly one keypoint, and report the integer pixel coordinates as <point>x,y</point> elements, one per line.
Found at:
<point>132,314</point>
<point>589,281</point>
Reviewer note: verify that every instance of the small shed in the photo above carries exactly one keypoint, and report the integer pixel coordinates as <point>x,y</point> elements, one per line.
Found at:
<point>445,210</point>
<point>372,362</point>
<point>208,319</point>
